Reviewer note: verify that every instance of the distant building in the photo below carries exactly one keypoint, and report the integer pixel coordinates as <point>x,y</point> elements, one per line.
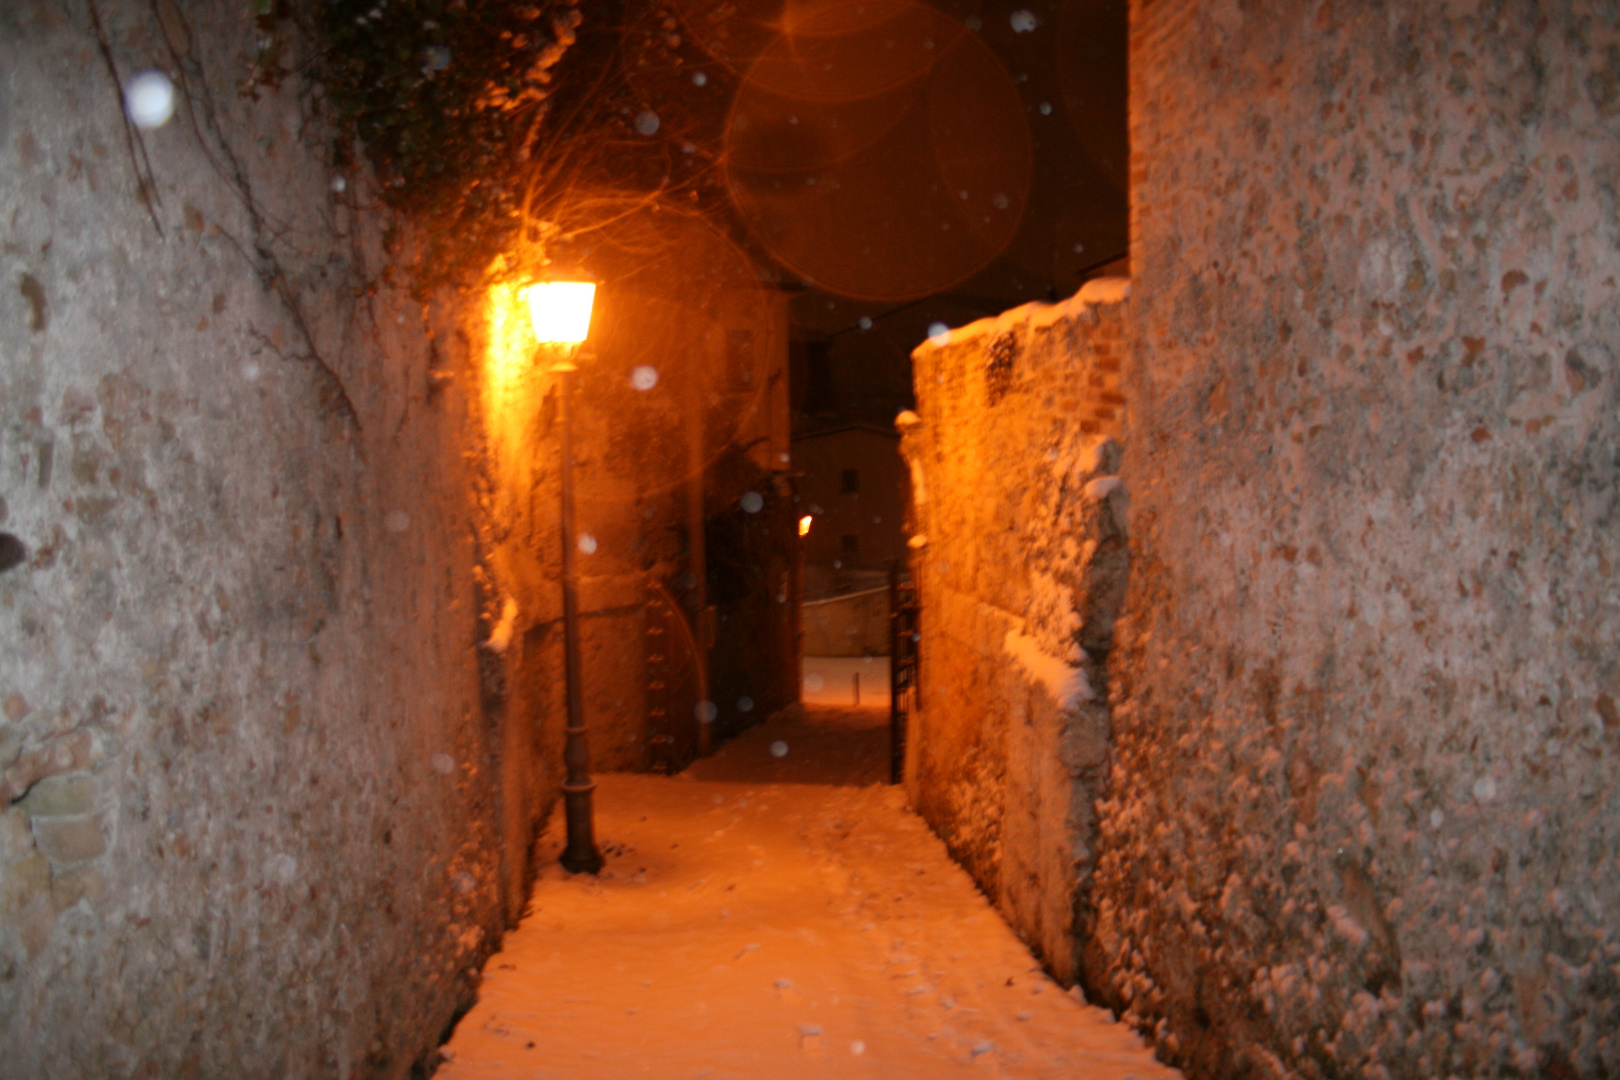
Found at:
<point>854,488</point>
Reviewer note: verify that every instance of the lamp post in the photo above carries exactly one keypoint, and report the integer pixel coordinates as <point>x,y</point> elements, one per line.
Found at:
<point>561,314</point>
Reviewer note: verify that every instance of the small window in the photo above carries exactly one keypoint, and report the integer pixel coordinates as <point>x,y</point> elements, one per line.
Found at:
<point>852,544</point>
<point>851,483</point>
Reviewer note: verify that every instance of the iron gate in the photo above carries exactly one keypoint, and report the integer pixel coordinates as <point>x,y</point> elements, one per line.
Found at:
<point>905,639</point>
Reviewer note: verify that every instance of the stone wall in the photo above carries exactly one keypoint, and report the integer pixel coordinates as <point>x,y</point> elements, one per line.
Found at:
<point>265,801</point>
<point>1017,526</point>
<point>1363,812</point>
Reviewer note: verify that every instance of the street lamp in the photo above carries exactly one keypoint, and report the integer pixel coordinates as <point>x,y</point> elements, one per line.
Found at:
<point>561,314</point>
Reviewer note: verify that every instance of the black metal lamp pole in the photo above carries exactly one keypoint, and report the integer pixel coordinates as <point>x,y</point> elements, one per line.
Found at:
<point>581,855</point>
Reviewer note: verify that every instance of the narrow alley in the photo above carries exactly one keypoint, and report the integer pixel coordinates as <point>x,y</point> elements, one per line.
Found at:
<point>424,423</point>
<point>775,911</point>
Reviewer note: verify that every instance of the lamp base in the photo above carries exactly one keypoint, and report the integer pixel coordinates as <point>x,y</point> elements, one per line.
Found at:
<point>581,855</point>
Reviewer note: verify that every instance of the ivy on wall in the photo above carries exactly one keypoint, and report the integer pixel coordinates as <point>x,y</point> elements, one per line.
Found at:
<point>449,98</point>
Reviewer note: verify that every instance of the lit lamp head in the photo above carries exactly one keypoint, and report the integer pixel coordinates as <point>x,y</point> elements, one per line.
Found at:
<point>560,311</point>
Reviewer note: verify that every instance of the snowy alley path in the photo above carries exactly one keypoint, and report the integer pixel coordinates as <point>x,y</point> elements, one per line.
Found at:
<point>751,925</point>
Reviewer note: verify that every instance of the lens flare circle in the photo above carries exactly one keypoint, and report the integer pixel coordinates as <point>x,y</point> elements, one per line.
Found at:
<point>880,183</point>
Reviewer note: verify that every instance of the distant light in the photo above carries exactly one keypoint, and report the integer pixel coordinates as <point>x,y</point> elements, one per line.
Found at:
<point>804,525</point>
<point>560,311</point>
<point>149,99</point>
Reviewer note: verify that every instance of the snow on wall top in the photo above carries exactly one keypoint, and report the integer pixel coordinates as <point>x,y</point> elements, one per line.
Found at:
<point>1108,290</point>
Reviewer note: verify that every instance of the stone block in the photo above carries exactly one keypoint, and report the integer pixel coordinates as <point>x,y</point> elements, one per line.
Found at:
<point>16,839</point>
<point>66,795</point>
<point>77,883</point>
<point>70,840</point>
<point>21,880</point>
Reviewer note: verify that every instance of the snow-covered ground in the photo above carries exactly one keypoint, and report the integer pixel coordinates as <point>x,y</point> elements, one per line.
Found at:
<point>830,680</point>
<point>750,929</point>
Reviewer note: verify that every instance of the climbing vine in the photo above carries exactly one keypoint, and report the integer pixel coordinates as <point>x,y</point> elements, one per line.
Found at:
<point>512,128</point>
<point>449,99</point>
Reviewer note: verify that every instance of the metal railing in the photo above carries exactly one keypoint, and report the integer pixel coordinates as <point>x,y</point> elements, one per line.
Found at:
<point>905,639</point>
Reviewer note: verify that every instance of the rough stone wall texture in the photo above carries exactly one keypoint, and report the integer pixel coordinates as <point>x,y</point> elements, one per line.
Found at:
<point>1363,815</point>
<point>1015,492</point>
<point>264,801</point>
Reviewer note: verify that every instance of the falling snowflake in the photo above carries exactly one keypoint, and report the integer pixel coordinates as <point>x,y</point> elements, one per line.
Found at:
<point>646,122</point>
<point>1023,21</point>
<point>149,100</point>
<point>644,377</point>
